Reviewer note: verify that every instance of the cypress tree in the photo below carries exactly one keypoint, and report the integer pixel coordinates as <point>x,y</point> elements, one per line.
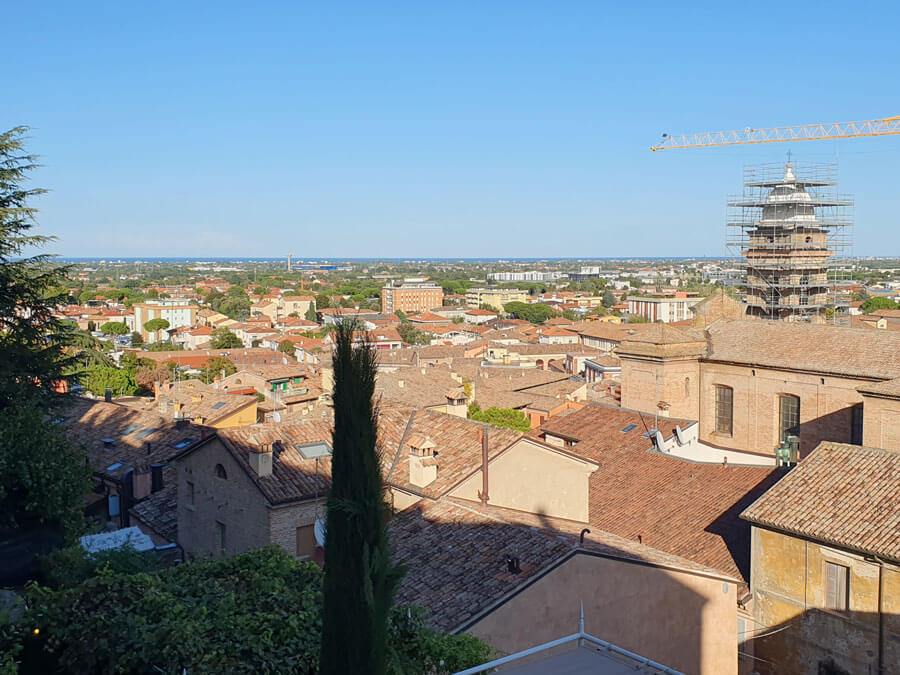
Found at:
<point>360,578</point>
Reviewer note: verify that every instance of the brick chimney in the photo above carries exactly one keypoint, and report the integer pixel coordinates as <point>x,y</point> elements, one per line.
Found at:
<point>261,460</point>
<point>422,460</point>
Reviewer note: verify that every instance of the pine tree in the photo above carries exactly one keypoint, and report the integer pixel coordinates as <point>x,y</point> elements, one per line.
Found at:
<point>360,578</point>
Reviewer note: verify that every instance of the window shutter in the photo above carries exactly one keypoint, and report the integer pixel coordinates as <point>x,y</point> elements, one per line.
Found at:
<point>830,586</point>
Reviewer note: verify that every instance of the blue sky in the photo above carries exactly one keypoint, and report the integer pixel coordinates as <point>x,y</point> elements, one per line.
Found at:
<point>434,129</point>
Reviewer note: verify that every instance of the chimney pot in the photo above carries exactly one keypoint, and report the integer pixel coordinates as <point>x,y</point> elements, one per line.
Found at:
<point>261,461</point>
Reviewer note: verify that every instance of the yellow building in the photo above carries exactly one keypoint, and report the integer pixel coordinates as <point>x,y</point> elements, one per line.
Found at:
<point>495,297</point>
<point>825,566</point>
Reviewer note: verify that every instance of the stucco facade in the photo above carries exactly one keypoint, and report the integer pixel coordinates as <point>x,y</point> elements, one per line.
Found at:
<point>684,620</point>
<point>534,478</point>
<point>798,632</point>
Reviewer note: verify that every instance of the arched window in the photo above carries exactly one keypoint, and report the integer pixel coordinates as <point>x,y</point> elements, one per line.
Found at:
<point>220,472</point>
<point>724,409</point>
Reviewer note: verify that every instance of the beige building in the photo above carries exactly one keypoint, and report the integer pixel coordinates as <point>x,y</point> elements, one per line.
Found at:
<point>411,296</point>
<point>176,312</point>
<point>826,566</point>
<point>494,297</point>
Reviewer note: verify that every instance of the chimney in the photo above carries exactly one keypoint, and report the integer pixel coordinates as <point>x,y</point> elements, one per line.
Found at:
<point>422,460</point>
<point>156,477</point>
<point>107,395</point>
<point>261,460</point>
<point>483,493</point>
<point>401,384</point>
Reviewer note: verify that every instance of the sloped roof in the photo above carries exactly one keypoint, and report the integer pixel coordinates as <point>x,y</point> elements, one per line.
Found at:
<point>842,494</point>
<point>852,352</point>
<point>684,508</point>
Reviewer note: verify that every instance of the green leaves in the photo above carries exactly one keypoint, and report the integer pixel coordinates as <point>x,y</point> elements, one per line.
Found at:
<point>500,417</point>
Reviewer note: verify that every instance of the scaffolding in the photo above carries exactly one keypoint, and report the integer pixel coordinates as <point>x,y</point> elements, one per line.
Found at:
<point>791,232</point>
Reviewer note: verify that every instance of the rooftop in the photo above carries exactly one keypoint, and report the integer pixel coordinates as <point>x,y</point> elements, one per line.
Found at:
<point>847,495</point>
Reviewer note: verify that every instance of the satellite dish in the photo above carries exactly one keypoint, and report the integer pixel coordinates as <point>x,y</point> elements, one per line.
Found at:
<point>276,416</point>
<point>319,531</point>
<point>659,440</point>
<point>679,434</point>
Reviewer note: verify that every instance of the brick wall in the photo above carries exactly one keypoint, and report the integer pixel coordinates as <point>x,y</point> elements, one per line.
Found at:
<point>284,521</point>
<point>234,501</point>
<point>880,422</point>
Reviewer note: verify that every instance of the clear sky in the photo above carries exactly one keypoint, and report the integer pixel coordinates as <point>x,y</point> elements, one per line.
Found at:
<point>434,128</point>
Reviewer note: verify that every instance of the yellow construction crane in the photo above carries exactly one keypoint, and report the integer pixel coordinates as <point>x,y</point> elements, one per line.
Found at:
<point>810,132</point>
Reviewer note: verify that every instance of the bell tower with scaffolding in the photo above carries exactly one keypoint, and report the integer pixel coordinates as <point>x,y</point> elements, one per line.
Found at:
<point>792,230</point>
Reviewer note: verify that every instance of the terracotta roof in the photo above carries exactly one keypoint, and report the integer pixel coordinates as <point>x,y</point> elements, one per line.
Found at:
<point>160,509</point>
<point>847,495</point>
<point>457,446</point>
<point>240,356</point>
<point>427,317</point>
<point>293,477</point>
<point>456,559</point>
<point>198,401</point>
<point>888,313</point>
<point>480,312</point>
<point>684,508</point>
<point>851,352</point>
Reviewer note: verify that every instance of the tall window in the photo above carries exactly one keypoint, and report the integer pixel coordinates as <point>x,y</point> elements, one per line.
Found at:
<point>306,541</point>
<point>837,586</point>
<point>724,409</point>
<point>856,425</point>
<point>788,416</point>
<point>220,472</point>
<point>220,537</point>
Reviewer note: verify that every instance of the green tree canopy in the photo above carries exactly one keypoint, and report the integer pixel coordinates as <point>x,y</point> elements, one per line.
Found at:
<point>217,366</point>
<point>500,417</point>
<point>536,313</point>
<point>136,339</point>
<point>286,347</point>
<point>608,298</point>
<point>257,612</point>
<point>874,304</point>
<point>222,338</point>
<point>311,313</point>
<point>412,335</point>
<point>43,477</point>
<point>154,325</point>
<point>121,382</point>
<point>114,328</point>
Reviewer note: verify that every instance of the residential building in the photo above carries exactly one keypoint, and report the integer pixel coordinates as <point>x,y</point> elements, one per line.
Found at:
<point>826,565</point>
<point>176,312</point>
<point>667,309</point>
<point>201,404</point>
<point>495,297</point>
<point>532,275</point>
<point>411,296</point>
<point>479,316</point>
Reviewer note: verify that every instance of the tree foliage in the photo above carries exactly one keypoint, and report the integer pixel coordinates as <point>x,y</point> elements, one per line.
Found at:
<point>536,313</point>
<point>500,417</point>
<point>257,612</point>
<point>154,325</point>
<point>33,344</point>
<point>217,366</point>
<point>43,477</point>
<point>360,578</point>
<point>412,335</point>
<point>114,328</point>
<point>222,338</point>
<point>287,347</point>
<point>311,314</point>
<point>874,304</point>
<point>120,382</point>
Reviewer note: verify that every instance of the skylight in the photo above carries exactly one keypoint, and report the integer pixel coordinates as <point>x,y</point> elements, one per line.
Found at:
<point>146,432</point>
<point>132,429</point>
<point>220,404</point>
<point>628,428</point>
<point>113,467</point>
<point>183,443</point>
<point>313,450</point>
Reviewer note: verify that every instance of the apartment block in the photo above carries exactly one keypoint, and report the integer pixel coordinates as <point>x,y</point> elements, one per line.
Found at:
<point>495,297</point>
<point>177,312</point>
<point>410,296</point>
<point>666,309</point>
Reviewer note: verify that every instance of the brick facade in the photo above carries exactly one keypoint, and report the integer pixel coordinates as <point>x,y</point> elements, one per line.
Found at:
<point>233,502</point>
